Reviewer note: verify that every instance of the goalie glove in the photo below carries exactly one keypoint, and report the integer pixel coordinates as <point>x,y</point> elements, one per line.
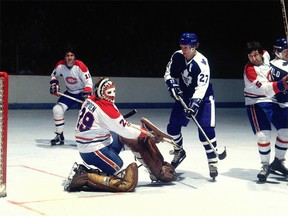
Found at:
<point>193,107</point>
<point>54,87</point>
<point>174,88</point>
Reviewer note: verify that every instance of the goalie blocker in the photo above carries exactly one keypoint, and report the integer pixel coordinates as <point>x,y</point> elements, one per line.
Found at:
<point>148,154</point>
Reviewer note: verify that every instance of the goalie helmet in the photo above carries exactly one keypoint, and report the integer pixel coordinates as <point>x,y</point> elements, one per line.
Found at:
<point>188,39</point>
<point>279,46</point>
<point>105,89</point>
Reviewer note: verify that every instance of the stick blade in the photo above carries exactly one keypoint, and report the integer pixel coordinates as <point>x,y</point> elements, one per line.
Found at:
<point>223,154</point>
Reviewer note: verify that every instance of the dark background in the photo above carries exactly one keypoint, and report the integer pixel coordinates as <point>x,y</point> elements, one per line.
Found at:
<point>133,38</point>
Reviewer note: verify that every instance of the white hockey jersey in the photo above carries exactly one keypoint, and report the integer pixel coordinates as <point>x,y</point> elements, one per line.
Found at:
<point>96,119</point>
<point>258,87</point>
<point>77,78</point>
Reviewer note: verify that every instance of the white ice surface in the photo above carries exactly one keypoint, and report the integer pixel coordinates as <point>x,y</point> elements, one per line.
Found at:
<point>36,173</point>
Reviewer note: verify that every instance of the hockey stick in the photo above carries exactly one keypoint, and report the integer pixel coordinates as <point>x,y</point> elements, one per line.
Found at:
<point>131,113</point>
<point>283,8</point>
<point>70,97</point>
<point>220,156</point>
<point>127,115</point>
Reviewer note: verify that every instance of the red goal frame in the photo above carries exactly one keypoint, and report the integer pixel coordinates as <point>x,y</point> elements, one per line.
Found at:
<point>4,129</point>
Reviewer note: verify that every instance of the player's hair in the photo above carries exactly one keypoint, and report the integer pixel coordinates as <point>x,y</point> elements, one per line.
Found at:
<point>253,46</point>
<point>69,49</point>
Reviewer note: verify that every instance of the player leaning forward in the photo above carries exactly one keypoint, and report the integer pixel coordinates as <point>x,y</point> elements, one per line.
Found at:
<point>263,109</point>
<point>192,70</point>
<point>101,132</point>
<point>78,84</point>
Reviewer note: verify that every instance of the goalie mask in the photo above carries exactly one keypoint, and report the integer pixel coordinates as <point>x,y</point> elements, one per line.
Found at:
<point>105,89</point>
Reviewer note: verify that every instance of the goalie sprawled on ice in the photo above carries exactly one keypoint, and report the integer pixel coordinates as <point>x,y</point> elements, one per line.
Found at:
<point>101,132</point>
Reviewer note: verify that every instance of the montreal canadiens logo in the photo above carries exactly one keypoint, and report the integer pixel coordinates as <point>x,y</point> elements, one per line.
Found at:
<point>71,80</point>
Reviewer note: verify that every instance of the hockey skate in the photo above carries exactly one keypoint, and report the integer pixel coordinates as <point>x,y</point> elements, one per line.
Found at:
<point>76,171</point>
<point>263,174</point>
<point>179,156</point>
<point>58,140</point>
<point>213,170</point>
<point>277,167</point>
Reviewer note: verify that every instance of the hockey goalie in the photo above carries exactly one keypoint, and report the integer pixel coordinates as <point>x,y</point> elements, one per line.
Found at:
<point>144,150</point>
<point>101,133</point>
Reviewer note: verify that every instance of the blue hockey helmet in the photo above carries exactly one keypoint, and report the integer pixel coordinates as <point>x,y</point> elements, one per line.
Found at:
<point>280,44</point>
<point>188,39</point>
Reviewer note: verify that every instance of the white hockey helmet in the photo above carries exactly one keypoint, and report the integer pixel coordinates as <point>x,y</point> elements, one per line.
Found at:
<point>105,89</point>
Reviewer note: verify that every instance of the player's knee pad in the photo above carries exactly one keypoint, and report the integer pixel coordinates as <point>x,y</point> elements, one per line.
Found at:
<point>209,131</point>
<point>175,132</point>
<point>283,134</point>
<point>59,110</point>
<point>263,136</point>
<point>173,129</point>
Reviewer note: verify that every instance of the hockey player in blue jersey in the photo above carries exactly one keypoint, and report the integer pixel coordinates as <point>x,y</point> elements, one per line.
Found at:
<point>279,70</point>
<point>188,76</point>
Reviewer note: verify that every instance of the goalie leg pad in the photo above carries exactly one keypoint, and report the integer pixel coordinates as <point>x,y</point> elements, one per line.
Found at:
<point>146,149</point>
<point>114,183</point>
<point>98,182</point>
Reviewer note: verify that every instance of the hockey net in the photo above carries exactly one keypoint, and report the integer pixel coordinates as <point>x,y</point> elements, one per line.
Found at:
<point>3,131</point>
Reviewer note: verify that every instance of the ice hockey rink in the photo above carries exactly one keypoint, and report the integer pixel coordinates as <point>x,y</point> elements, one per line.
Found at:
<point>36,173</point>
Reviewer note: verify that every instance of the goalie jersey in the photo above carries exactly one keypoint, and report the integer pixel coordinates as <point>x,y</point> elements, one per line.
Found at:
<point>96,119</point>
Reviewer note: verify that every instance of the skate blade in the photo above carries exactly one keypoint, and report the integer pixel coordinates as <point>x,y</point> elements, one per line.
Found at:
<point>275,172</point>
<point>70,176</point>
<point>180,161</point>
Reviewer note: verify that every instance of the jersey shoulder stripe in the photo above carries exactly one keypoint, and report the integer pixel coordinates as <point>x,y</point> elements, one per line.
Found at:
<point>108,108</point>
<point>81,65</point>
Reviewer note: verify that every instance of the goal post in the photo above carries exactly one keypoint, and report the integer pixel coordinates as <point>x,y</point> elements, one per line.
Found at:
<point>3,131</point>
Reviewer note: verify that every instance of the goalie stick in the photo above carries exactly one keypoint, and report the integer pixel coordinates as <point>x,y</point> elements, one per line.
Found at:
<point>127,115</point>
<point>131,113</point>
<point>220,156</point>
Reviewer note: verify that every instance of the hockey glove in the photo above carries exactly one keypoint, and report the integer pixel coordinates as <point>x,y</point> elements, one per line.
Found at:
<point>174,89</point>
<point>283,83</point>
<point>87,93</point>
<point>54,87</point>
<point>193,107</point>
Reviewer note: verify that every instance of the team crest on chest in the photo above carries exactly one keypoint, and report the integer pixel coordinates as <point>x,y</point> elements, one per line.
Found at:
<point>186,78</point>
<point>71,80</point>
